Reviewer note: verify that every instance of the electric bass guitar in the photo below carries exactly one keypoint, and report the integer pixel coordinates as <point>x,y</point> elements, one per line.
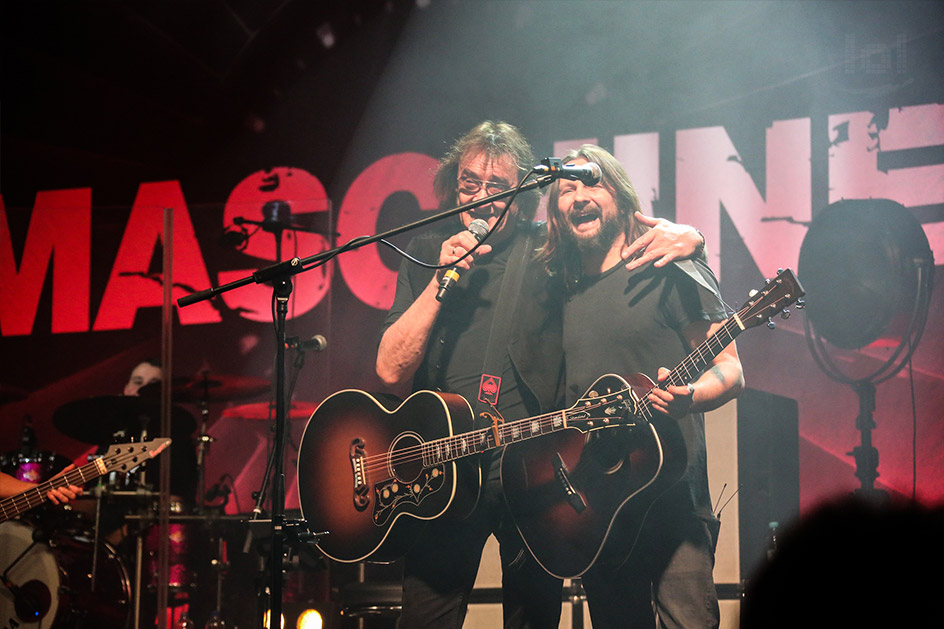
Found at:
<point>123,457</point>
<point>577,497</point>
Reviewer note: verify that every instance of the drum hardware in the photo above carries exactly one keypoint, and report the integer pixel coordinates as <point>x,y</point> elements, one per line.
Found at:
<point>207,388</point>
<point>220,565</point>
<point>202,390</point>
<point>265,411</point>
<point>48,573</point>
<point>32,599</point>
<point>189,538</point>
<point>29,463</point>
<point>97,420</point>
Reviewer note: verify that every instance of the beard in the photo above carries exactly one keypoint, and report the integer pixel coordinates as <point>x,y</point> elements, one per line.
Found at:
<point>601,240</point>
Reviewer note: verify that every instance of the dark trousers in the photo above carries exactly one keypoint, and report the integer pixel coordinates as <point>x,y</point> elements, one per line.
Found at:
<point>439,571</point>
<point>667,581</point>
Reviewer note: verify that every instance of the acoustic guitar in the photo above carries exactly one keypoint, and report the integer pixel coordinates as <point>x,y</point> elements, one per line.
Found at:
<point>577,497</point>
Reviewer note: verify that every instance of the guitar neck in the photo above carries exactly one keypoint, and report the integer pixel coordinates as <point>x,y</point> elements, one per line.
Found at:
<point>689,369</point>
<point>484,439</point>
<point>119,458</point>
<point>15,505</point>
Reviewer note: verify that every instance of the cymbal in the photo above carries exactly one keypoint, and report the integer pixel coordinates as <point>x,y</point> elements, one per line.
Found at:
<point>266,410</point>
<point>95,420</point>
<point>10,393</point>
<point>207,388</point>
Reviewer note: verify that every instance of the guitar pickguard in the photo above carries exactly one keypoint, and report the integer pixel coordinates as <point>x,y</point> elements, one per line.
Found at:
<point>392,496</point>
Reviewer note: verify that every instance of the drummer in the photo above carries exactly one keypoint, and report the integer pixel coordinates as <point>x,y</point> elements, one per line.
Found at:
<point>146,372</point>
<point>11,486</point>
<point>182,456</point>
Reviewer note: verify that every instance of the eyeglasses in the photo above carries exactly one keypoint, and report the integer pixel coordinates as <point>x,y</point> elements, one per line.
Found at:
<point>470,185</point>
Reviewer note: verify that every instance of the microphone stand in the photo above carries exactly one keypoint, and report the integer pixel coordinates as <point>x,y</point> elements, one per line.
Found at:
<point>279,275</point>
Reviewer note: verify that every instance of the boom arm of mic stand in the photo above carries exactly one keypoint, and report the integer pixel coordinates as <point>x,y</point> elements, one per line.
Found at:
<point>297,265</point>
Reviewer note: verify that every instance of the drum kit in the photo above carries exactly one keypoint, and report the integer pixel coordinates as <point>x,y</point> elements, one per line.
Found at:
<point>95,562</point>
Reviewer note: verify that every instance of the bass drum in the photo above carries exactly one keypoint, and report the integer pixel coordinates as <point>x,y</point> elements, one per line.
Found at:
<point>49,581</point>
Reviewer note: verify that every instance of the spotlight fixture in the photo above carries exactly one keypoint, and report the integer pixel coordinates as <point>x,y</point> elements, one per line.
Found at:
<point>867,268</point>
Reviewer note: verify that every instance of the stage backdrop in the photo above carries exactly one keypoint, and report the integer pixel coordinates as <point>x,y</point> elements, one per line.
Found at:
<point>743,119</point>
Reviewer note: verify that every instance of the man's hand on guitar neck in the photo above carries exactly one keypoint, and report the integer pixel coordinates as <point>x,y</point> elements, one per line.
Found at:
<point>11,486</point>
<point>62,495</point>
<point>721,381</point>
<point>674,401</point>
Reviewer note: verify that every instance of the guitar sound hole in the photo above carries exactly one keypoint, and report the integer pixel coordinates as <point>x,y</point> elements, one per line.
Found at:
<point>608,449</point>
<point>405,460</point>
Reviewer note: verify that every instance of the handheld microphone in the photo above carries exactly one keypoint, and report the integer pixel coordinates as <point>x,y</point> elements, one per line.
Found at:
<point>316,343</point>
<point>590,173</point>
<point>479,229</point>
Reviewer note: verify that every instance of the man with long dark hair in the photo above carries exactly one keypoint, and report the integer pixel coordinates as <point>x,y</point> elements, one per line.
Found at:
<point>639,321</point>
<point>495,340</point>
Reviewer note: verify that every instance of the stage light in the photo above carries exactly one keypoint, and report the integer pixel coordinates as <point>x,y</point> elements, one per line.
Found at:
<point>310,619</point>
<point>868,270</point>
<point>326,35</point>
<point>265,620</point>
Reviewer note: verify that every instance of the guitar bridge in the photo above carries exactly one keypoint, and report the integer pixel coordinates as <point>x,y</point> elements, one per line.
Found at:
<point>573,496</point>
<point>357,453</point>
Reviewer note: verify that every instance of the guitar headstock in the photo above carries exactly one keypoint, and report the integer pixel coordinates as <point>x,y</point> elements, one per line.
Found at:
<point>772,299</point>
<point>609,402</point>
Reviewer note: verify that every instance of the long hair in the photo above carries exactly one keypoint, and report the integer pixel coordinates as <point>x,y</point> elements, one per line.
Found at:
<point>561,255</point>
<point>495,139</point>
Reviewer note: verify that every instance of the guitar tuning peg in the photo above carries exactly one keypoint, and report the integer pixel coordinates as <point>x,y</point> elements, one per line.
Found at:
<point>771,324</point>
<point>785,314</point>
<point>752,293</point>
<point>779,271</point>
<point>800,304</point>
<point>767,281</point>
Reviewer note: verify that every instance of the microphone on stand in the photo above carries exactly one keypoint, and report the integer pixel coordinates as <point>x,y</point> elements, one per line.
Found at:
<point>479,229</point>
<point>219,489</point>
<point>317,343</point>
<point>590,173</point>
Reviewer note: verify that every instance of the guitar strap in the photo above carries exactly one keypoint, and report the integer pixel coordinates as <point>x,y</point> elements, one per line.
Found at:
<point>496,352</point>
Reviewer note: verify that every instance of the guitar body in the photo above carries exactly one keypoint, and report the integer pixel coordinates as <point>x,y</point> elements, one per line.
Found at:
<point>361,479</point>
<point>617,472</point>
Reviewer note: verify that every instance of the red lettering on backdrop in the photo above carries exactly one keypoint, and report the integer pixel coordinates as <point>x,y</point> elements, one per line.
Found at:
<point>363,270</point>
<point>130,287</point>
<point>304,194</point>
<point>710,172</point>
<point>60,224</point>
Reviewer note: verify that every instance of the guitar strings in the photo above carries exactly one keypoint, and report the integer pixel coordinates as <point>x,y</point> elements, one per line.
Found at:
<point>25,500</point>
<point>448,446</point>
<point>455,443</point>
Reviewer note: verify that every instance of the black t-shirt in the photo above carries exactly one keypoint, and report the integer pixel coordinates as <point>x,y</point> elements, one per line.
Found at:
<point>459,340</point>
<point>628,322</point>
